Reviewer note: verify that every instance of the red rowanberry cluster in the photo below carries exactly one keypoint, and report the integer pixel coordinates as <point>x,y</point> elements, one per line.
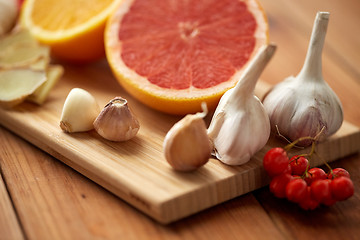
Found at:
<point>309,187</point>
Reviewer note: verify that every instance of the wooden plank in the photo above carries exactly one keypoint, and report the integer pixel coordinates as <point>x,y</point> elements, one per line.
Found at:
<point>163,194</point>
<point>9,225</point>
<point>96,213</point>
<point>290,28</point>
<point>55,202</point>
<point>339,221</point>
<point>296,18</point>
<point>40,126</point>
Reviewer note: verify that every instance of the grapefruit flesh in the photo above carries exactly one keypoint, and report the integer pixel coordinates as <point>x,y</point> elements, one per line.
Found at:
<point>172,55</point>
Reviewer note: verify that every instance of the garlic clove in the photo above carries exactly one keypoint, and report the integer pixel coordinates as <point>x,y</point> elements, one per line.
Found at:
<point>304,105</point>
<point>116,122</point>
<point>186,145</point>
<point>79,111</point>
<point>240,126</point>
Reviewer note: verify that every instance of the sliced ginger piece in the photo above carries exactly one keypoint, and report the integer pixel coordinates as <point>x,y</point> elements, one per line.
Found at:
<point>20,49</point>
<point>25,72</point>
<point>20,55</point>
<point>54,72</point>
<point>40,64</point>
<point>22,37</point>
<point>17,84</point>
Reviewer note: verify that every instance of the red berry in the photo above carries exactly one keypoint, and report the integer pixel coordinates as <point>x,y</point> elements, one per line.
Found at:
<point>321,191</point>
<point>338,172</point>
<point>296,190</point>
<point>298,165</point>
<point>342,188</point>
<point>288,169</point>
<point>308,203</point>
<point>315,174</point>
<point>275,161</point>
<point>278,184</point>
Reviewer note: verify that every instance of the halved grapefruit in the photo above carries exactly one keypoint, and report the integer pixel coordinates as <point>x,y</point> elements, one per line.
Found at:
<point>174,54</point>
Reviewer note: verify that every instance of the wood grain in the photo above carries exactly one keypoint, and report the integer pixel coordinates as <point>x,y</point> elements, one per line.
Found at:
<point>164,194</point>
<point>9,225</point>
<point>80,209</point>
<point>55,202</point>
<point>335,222</point>
<point>290,28</point>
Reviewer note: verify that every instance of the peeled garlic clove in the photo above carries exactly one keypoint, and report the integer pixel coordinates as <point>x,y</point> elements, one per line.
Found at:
<point>186,145</point>
<point>304,105</point>
<point>240,126</point>
<point>79,111</point>
<point>116,122</point>
<point>17,84</point>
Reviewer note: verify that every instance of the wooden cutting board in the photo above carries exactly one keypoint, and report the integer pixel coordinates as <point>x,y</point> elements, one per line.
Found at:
<point>136,170</point>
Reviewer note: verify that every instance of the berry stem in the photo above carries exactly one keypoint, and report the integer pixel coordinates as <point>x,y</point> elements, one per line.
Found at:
<point>324,161</point>
<point>292,144</point>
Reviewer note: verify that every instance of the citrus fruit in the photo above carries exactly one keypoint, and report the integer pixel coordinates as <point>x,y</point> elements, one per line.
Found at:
<point>173,55</point>
<point>74,29</point>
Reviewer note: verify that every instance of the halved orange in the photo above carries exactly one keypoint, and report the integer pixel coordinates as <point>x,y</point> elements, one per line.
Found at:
<point>173,55</point>
<point>74,29</point>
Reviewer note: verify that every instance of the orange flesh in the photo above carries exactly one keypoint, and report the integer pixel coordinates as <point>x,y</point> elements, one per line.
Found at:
<point>179,44</point>
<point>52,15</point>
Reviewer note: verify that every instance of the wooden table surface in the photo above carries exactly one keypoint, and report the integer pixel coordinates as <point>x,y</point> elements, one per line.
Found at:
<point>42,198</point>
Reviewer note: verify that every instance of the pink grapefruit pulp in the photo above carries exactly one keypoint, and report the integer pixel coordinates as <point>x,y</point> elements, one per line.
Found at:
<point>173,55</point>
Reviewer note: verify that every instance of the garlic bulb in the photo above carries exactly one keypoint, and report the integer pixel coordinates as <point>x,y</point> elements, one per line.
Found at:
<point>303,105</point>
<point>240,126</point>
<point>116,122</point>
<point>187,145</point>
<point>79,111</point>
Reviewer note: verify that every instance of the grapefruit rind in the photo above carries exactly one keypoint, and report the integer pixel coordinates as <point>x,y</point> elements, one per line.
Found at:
<point>172,101</point>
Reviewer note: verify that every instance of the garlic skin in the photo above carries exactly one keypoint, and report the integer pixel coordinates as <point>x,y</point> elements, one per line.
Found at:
<point>186,145</point>
<point>116,122</point>
<point>240,126</point>
<point>79,111</point>
<point>302,106</point>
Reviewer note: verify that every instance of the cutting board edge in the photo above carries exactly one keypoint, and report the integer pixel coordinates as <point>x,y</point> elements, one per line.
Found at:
<point>182,201</point>
<point>164,212</point>
<point>147,206</point>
